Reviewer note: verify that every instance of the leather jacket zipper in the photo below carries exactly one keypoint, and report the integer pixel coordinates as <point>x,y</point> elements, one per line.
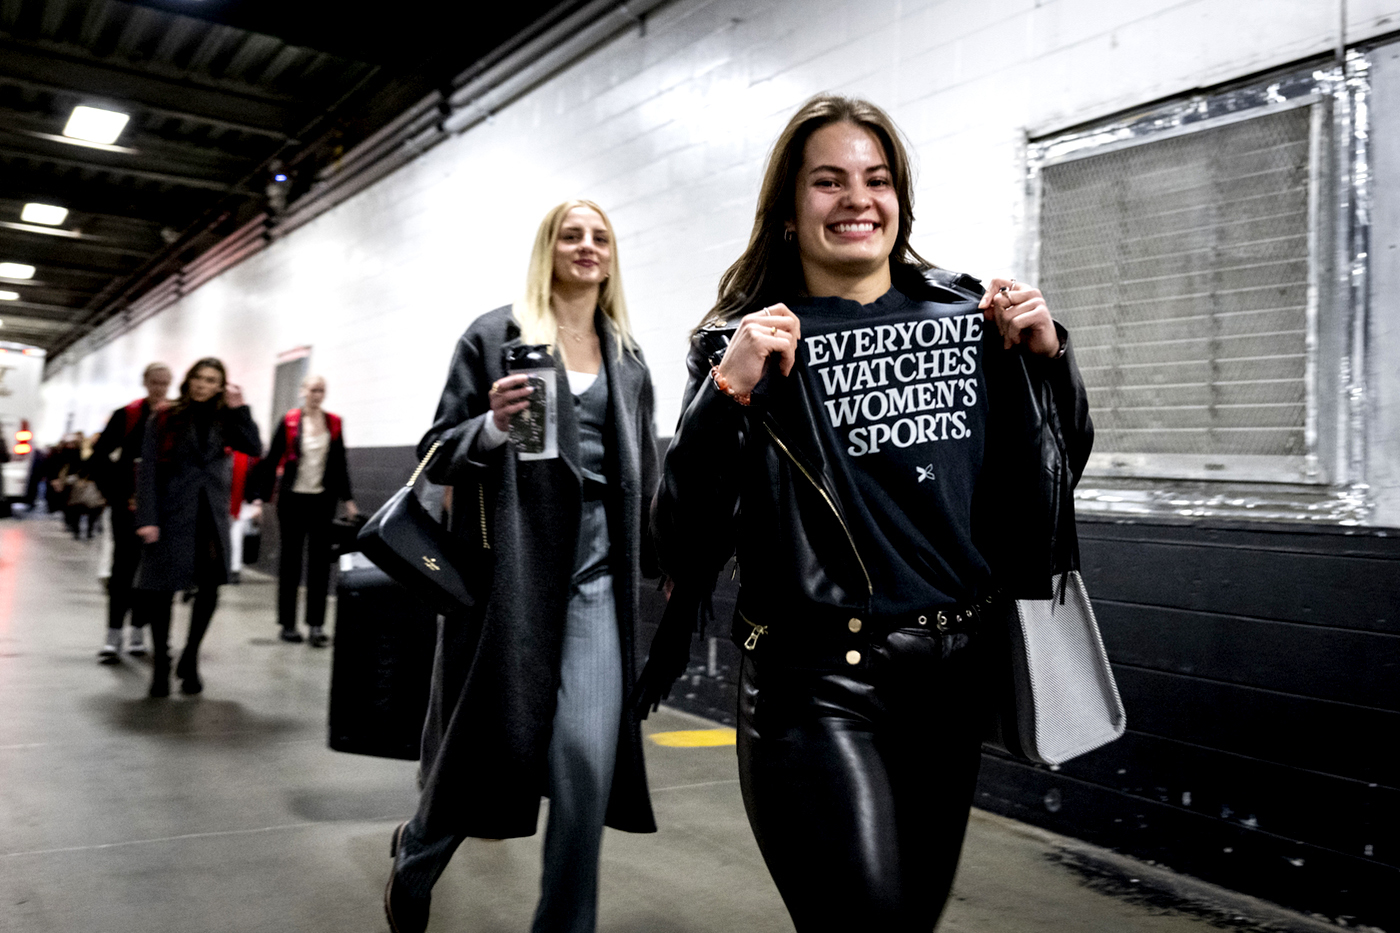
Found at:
<point>831,504</point>
<point>751,642</point>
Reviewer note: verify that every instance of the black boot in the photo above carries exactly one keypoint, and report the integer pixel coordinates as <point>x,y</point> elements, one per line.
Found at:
<point>160,675</point>
<point>154,610</point>
<point>203,613</point>
<point>406,913</point>
<point>188,672</point>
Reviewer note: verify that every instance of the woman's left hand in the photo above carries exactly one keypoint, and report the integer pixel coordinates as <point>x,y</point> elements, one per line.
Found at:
<point>233,396</point>
<point>1021,315</point>
<point>351,510</point>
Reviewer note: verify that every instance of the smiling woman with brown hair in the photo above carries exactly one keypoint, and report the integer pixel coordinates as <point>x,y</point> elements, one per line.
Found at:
<point>854,430</point>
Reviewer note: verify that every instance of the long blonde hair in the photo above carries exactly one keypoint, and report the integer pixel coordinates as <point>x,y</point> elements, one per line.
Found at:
<point>534,311</point>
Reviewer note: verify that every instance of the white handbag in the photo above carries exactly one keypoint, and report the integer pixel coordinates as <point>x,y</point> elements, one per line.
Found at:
<point>1062,698</point>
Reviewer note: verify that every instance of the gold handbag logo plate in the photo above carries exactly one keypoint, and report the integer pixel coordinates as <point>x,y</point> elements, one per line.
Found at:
<point>430,563</point>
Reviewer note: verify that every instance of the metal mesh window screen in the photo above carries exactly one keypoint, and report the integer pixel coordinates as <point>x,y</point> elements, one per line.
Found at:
<point>1181,266</point>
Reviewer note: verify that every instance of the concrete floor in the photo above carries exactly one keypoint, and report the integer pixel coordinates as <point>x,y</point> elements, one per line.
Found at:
<point>228,812</point>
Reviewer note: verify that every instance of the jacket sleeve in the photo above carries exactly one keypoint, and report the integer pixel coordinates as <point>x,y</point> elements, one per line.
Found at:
<point>263,476</point>
<point>340,464</point>
<point>99,465</point>
<point>240,432</point>
<point>650,472</point>
<point>693,523</point>
<point>462,411</point>
<point>147,508</point>
<point>1070,408</point>
<point>697,501</point>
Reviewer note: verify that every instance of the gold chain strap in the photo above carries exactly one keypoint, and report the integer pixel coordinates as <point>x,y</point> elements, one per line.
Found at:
<point>418,472</point>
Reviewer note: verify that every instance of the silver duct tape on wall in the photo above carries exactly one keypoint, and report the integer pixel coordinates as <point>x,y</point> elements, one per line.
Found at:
<point>1210,257</point>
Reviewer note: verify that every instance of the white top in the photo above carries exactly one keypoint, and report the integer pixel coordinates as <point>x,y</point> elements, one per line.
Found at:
<point>315,444</point>
<point>580,383</point>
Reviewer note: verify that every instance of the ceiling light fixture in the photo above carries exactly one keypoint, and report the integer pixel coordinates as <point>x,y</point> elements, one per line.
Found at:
<point>48,214</point>
<point>16,270</point>
<point>95,124</point>
<point>47,231</point>
<point>9,296</point>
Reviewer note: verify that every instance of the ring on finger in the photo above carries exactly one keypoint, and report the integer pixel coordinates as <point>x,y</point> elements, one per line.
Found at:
<point>773,331</point>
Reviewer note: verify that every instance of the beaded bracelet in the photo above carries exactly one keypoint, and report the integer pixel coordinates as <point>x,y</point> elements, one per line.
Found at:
<point>721,383</point>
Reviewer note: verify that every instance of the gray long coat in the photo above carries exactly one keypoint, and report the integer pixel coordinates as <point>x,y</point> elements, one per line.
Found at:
<point>169,484</point>
<point>496,675</point>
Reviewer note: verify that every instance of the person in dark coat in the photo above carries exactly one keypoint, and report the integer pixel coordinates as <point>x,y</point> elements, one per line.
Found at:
<point>182,494</point>
<point>528,685</point>
<point>868,436</point>
<point>113,467</point>
<point>307,464</point>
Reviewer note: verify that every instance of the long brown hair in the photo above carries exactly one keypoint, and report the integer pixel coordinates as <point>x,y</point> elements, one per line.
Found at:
<point>184,400</point>
<point>169,423</point>
<point>770,269</point>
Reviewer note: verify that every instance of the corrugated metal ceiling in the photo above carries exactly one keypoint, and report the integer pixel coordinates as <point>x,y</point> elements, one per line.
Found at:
<point>216,91</point>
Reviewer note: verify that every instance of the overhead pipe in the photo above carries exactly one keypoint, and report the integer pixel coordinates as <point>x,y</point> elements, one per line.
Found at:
<point>476,95</point>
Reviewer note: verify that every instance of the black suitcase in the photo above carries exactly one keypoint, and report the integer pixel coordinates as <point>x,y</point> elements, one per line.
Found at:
<point>382,665</point>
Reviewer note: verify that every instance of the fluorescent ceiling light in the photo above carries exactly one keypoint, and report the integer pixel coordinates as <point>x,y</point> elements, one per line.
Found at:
<point>16,270</point>
<point>50,214</point>
<point>46,231</point>
<point>95,125</point>
<point>9,296</point>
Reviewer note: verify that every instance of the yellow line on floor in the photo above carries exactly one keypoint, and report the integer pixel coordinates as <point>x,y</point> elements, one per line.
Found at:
<point>695,738</point>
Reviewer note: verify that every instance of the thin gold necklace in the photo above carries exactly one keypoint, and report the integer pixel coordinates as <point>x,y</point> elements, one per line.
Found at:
<point>571,330</point>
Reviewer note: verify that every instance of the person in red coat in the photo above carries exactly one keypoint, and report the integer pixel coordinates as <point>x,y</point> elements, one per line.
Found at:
<point>307,464</point>
<point>242,514</point>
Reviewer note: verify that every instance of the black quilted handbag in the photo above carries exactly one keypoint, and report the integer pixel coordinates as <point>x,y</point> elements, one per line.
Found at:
<point>418,551</point>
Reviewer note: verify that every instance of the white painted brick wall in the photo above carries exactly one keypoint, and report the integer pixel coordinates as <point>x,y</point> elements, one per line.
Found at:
<point>669,132</point>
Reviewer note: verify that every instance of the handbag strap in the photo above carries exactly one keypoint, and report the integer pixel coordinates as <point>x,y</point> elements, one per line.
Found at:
<point>423,465</point>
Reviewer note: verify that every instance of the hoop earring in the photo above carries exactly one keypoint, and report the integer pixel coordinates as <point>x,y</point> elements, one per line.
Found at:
<point>787,236</point>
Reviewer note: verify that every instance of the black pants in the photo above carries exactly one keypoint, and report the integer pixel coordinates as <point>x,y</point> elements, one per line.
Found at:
<point>154,606</point>
<point>858,778</point>
<point>304,517</point>
<point>126,554</point>
<point>73,518</point>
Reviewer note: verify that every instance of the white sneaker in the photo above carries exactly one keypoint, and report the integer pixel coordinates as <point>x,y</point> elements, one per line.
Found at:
<point>136,643</point>
<point>108,652</point>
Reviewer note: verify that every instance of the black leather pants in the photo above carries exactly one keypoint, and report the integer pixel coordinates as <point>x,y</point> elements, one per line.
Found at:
<point>858,777</point>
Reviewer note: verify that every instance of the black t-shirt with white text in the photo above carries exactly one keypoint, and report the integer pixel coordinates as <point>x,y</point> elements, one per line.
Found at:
<point>899,385</point>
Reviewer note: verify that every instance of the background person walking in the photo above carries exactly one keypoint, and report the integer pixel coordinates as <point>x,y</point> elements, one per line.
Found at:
<point>113,468</point>
<point>182,511</point>
<point>306,462</point>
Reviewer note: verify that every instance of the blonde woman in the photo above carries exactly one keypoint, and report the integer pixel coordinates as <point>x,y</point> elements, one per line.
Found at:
<point>528,685</point>
<point>307,464</point>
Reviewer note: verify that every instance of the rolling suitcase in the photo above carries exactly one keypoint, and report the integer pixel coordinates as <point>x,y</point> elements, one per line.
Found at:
<point>382,664</point>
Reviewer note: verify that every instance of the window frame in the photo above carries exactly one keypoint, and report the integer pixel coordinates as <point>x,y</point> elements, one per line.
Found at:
<point>1337,227</point>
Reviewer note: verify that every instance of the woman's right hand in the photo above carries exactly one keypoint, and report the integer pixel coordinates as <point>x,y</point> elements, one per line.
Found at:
<point>149,534</point>
<point>768,331</point>
<point>508,395</point>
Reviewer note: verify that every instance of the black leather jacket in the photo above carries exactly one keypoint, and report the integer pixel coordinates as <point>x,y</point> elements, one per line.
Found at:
<point>753,481</point>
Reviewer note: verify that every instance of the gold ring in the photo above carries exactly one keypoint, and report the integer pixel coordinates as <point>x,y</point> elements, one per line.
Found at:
<point>496,386</point>
<point>774,330</point>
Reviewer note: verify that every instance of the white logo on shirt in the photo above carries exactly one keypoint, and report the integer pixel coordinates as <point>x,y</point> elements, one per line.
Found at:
<point>925,472</point>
